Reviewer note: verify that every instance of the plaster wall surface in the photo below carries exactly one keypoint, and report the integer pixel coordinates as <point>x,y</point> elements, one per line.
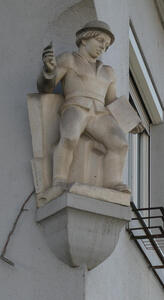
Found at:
<point>149,31</point>
<point>25,28</point>
<point>157,165</point>
<point>125,275</point>
<point>115,13</point>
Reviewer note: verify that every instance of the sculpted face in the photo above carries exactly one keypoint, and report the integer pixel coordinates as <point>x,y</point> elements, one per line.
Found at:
<point>97,45</point>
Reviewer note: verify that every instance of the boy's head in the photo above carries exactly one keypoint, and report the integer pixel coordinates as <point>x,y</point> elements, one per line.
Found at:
<point>97,30</point>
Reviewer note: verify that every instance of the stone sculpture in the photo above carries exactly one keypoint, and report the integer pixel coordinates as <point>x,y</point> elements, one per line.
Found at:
<point>89,89</point>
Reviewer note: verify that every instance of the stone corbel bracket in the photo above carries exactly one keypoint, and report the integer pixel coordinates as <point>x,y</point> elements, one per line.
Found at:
<point>82,230</point>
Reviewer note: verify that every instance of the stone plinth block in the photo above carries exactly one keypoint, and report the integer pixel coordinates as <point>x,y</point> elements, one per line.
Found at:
<point>82,230</point>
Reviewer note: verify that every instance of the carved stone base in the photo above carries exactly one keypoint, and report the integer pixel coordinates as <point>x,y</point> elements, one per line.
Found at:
<point>82,230</point>
<point>100,193</point>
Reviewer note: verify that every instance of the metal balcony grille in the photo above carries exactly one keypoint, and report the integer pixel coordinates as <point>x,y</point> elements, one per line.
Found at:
<point>146,228</point>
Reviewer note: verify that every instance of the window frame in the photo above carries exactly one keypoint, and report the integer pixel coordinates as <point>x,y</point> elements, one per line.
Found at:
<point>146,100</point>
<point>139,156</point>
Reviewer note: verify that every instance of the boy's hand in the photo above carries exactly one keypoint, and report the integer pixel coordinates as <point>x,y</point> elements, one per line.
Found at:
<point>138,129</point>
<point>49,59</point>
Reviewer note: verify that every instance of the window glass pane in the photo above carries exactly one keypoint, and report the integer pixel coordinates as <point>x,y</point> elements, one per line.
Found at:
<point>138,161</point>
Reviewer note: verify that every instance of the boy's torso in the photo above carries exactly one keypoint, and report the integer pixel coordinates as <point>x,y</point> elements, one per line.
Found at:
<point>85,82</point>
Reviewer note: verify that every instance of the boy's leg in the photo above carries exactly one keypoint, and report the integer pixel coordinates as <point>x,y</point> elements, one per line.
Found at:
<point>72,124</point>
<point>105,129</point>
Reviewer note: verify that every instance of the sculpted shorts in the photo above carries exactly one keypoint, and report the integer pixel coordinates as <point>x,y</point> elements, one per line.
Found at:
<point>87,104</point>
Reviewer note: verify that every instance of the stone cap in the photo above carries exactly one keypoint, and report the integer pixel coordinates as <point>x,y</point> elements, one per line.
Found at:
<point>97,25</point>
<point>84,203</point>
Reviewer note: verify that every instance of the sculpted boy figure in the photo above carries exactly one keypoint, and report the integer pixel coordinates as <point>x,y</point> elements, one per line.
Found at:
<point>89,87</point>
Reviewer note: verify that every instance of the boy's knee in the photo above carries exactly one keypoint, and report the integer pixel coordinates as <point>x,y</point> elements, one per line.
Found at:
<point>69,142</point>
<point>117,144</point>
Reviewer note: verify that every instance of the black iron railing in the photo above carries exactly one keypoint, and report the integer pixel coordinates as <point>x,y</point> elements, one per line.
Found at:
<point>146,228</point>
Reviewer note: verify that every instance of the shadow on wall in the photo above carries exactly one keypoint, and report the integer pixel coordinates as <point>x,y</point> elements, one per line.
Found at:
<point>62,30</point>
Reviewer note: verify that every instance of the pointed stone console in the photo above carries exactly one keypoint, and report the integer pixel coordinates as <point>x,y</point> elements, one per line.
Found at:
<point>83,230</point>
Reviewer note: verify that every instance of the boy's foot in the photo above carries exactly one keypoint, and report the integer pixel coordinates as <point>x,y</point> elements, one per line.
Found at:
<point>121,188</point>
<point>51,193</point>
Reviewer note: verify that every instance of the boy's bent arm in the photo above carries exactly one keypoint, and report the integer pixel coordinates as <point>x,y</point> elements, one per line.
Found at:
<point>111,91</point>
<point>48,80</point>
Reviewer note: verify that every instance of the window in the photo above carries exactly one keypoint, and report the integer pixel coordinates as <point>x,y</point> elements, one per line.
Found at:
<point>144,98</point>
<point>138,157</point>
<point>146,227</point>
